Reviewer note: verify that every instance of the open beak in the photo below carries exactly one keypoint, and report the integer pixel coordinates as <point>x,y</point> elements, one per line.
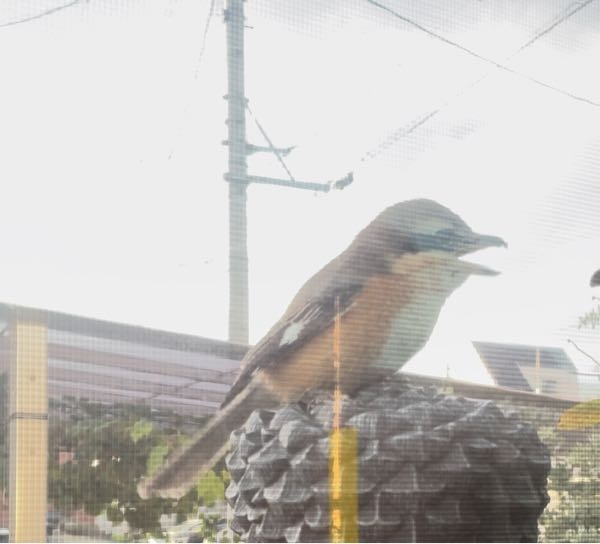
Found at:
<point>476,268</point>
<point>476,242</point>
<point>459,242</point>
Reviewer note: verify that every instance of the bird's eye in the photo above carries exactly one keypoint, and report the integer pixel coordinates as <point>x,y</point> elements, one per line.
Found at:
<point>446,234</point>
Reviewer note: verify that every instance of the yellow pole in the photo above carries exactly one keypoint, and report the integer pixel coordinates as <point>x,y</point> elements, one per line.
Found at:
<point>28,423</point>
<point>343,459</point>
<point>343,485</point>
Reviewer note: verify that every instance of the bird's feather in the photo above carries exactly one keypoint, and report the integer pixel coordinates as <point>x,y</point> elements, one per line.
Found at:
<point>289,334</point>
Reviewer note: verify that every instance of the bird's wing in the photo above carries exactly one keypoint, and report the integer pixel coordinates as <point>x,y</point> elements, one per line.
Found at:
<point>294,330</point>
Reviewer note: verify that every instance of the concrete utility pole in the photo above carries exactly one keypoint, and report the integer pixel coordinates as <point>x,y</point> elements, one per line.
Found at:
<point>238,177</point>
<point>236,123</point>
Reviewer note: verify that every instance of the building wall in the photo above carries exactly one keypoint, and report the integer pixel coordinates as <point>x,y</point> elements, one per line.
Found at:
<point>558,383</point>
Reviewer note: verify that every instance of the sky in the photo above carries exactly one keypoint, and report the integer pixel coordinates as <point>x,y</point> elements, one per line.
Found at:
<point>113,203</point>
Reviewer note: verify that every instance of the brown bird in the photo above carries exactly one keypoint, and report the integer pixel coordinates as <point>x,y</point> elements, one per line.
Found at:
<point>388,286</point>
<point>595,279</point>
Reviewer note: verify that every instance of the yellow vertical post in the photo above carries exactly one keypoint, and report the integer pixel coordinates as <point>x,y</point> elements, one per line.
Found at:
<point>343,485</point>
<point>28,421</point>
<point>343,458</point>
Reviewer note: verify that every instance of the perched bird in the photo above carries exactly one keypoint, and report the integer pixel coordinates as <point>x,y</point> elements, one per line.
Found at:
<point>388,288</point>
<point>595,279</point>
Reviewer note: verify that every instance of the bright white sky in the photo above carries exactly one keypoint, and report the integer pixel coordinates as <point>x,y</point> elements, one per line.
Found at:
<point>113,204</point>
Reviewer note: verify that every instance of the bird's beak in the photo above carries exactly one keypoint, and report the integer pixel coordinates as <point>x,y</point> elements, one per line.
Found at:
<point>456,244</point>
<point>595,279</point>
<point>476,242</point>
<point>475,268</point>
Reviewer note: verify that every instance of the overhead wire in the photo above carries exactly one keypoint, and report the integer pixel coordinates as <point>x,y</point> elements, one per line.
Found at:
<point>476,55</point>
<point>273,149</point>
<point>569,12</point>
<point>202,50</point>
<point>209,18</point>
<point>422,119</point>
<point>50,11</point>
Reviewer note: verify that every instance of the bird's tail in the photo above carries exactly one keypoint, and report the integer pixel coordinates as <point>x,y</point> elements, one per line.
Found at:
<point>182,469</point>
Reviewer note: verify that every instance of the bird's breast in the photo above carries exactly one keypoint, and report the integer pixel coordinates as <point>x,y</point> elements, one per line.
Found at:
<point>409,329</point>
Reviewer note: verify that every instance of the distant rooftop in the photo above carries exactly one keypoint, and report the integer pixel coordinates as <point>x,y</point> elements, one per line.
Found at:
<point>504,362</point>
<point>114,362</point>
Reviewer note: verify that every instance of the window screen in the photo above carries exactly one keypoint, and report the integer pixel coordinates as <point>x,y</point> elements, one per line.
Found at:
<point>300,270</point>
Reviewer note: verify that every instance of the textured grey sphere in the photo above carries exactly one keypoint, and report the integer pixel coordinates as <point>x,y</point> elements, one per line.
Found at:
<point>431,467</point>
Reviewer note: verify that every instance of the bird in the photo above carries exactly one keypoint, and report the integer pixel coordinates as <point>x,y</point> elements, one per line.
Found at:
<point>386,289</point>
<point>595,279</point>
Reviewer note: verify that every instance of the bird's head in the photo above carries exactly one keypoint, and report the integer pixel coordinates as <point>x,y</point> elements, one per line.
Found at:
<point>422,231</point>
<point>595,280</point>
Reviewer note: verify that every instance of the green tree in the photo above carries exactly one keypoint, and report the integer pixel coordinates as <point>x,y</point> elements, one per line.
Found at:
<point>113,448</point>
<point>211,487</point>
<point>573,514</point>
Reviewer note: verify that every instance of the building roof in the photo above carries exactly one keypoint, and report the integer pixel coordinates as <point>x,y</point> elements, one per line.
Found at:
<point>504,362</point>
<point>114,362</point>
<point>501,395</point>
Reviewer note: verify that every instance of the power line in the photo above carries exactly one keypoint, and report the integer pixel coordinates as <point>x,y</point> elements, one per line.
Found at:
<point>487,60</point>
<point>402,132</point>
<point>211,12</point>
<point>572,10</point>
<point>272,148</point>
<point>422,119</point>
<point>582,351</point>
<point>432,33</point>
<point>203,40</point>
<point>42,14</point>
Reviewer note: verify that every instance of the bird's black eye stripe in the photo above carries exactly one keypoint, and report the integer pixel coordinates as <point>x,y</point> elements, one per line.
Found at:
<point>442,240</point>
<point>449,238</point>
<point>446,234</point>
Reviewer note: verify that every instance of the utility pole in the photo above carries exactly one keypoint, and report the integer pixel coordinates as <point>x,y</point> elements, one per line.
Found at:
<point>238,177</point>
<point>236,124</point>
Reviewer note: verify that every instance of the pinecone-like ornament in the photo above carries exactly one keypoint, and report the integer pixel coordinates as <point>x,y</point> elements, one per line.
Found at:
<point>431,467</point>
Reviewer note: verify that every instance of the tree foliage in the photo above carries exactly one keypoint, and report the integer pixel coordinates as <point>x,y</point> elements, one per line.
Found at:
<point>591,319</point>
<point>211,487</point>
<point>112,449</point>
<point>581,416</point>
<point>110,457</point>
<point>573,514</point>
